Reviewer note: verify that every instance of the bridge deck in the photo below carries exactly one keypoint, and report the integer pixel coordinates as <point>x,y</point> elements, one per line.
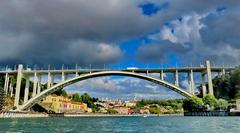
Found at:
<point>150,70</point>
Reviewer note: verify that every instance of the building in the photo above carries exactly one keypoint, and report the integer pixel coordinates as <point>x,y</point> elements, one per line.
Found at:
<point>64,105</point>
<point>130,103</point>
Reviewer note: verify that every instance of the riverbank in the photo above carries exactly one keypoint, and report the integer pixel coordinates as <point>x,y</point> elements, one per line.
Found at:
<point>37,115</point>
<point>22,115</point>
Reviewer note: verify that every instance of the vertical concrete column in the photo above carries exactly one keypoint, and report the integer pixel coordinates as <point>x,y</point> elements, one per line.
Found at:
<point>39,84</point>
<point>147,73</point>
<point>176,78</point>
<point>162,75</point>
<point>223,71</point>
<point>11,89</point>
<point>26,91</point>
<point>52,82</point>
<point>204,89</point>
<point>189,83</point>
<point>18,85</point>
<point>6,82</point>
<point>63,76</point>
<point>7,85</point>
<point>209,76</point>
<point>35,80</point>
<point>49,82</point>
<point>76,74</point>
<point>192,82</point>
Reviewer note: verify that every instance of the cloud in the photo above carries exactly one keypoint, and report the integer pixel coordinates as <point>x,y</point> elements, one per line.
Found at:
<point>122,88</point>
<point>195,38</point>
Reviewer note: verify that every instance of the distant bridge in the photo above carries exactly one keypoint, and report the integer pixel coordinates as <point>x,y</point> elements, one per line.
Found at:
<point>15,78</point>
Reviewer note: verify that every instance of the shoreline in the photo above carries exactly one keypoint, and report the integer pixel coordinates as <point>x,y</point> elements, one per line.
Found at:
<point>44,115</point>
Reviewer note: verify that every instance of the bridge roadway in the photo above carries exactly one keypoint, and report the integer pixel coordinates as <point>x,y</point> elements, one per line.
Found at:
<point>140,70</point>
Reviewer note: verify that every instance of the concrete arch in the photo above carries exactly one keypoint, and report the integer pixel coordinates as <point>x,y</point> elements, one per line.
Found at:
<point>63,84</point>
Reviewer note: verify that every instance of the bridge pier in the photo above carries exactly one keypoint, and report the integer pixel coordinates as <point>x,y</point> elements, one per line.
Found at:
<point>39,84</point>
<point>18,85</point>
<point>204,88</point>
<point>26,91</point>
<point>49,82</point>
<point>162,75</point>
<point>209,75</point>
<point>176,78</point>
<point>192,83</point>
<point>35,80</point>
<point>6,83</point>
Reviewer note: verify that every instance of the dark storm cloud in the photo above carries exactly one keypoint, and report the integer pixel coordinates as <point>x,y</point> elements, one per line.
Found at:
<point>84,32</point>
<point>74,31</point>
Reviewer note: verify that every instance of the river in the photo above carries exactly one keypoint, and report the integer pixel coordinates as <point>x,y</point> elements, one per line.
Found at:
<point>132,124</point>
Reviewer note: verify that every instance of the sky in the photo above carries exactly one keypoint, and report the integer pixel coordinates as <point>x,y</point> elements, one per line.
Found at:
<point>119,34</point>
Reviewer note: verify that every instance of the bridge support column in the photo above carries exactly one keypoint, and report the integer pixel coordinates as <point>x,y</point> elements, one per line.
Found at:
<point>6,83</point>
<point>52,80</point>
<point>39,85</point>
<point>18,85</point>
<point>209,76</point>
<point>49,82</point>
<point>204,89</point>
<point>35,80</point>
<point>162,75</point>
<point>11,88</point>
<point>63,76</point>
<point>76,74</point>
<point>176,78</point>
<point>26,91</point>
<point>192,83</point>
<point>223,71</point>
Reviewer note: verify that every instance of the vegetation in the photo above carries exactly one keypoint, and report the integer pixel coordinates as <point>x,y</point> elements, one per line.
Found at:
<point>175,104</point>
<point>227,86</point>
<point>112,111</point>
<point>193,104</point>
<point>85,98</point>
<point>209,102</point>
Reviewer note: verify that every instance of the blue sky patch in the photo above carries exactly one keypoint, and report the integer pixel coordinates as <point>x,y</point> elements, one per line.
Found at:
<point>150,9</point>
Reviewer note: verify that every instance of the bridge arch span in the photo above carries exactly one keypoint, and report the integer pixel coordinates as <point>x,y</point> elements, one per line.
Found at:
<point>68,82</point>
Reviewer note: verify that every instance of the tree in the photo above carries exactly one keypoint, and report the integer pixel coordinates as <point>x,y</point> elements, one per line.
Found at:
<point>222,104</point>
<point>193,104</point>
<point>76,97</point>
<point>210,100</point>
<point>64,94</point>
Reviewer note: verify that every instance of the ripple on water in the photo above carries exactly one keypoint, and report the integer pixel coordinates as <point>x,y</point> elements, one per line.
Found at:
<point>163,124</point>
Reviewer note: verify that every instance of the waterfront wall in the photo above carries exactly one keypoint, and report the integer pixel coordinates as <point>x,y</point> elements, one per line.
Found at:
<point>21,115</point>
<point>207,113</point>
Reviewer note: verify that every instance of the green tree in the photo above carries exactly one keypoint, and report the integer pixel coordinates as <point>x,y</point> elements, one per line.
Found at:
<point>193,104</point>
<point>64,94</point>
<point>111,111</point>
<point>76,97</point>
<point>155,111</point>
<point>222,104</point>
<point>210,100</point>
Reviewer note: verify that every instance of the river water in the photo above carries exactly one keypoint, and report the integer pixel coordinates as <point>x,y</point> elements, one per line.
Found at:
<point>134,124</point>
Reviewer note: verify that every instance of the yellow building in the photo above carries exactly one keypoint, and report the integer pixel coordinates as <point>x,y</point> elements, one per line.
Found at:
<point>61,104</point>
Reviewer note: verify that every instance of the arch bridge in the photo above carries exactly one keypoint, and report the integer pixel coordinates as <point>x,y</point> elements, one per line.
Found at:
<point>14,79</point>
